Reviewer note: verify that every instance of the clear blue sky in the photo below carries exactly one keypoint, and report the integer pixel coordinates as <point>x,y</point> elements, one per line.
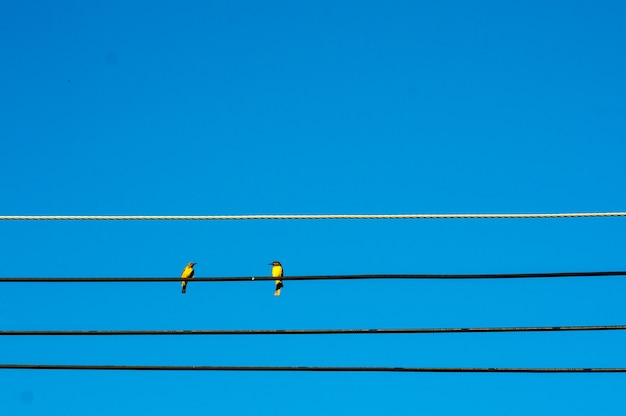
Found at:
<point>146,108</point>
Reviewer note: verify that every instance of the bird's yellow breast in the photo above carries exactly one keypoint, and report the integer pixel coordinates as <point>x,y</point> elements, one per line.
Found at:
<point>187,273</point>
<point>277,271</point>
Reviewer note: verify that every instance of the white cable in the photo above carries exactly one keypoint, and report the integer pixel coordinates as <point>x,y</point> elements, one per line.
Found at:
<point>302,217</point>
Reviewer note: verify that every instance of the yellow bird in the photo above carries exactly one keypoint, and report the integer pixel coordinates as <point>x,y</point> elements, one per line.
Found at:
<point>277,271</point>
<point>187,274</point>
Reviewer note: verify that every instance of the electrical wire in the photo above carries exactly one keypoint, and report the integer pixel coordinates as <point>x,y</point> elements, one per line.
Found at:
<point>313,369</point>
<point>329,277</point>
<point>302,217</point>
<point>311,331</point>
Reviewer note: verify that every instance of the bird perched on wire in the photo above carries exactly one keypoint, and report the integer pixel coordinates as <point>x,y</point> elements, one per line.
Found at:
<point>277,271</point>
<point>187,274</point>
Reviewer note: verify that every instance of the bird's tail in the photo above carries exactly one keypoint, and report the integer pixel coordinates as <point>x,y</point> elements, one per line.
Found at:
<point>279,285</point>
<point>184,284</point>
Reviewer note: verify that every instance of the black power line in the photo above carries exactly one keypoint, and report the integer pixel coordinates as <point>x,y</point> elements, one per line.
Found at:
<point>313,369</point>
<point>335,277</point>
<point>312,331</point>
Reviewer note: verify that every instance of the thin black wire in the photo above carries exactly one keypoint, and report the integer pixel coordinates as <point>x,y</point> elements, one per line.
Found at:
<point>311,331</point>
<point>337,277</point>
<point>316,369</point>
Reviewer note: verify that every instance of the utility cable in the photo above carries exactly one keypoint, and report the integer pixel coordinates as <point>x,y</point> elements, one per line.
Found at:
<point>330,277</point>
<point>311,331</point>
<point>301,217</point>
<point>312,369</point>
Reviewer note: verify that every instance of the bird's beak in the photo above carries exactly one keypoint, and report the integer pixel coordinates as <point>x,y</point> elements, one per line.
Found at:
<point>270,264</point>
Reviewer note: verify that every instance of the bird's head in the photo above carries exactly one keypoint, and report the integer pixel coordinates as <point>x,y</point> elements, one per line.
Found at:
<point>275,263</point>
<point>191,264</point>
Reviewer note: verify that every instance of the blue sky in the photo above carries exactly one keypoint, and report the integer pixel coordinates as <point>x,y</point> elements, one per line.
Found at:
<point>217,108</point>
